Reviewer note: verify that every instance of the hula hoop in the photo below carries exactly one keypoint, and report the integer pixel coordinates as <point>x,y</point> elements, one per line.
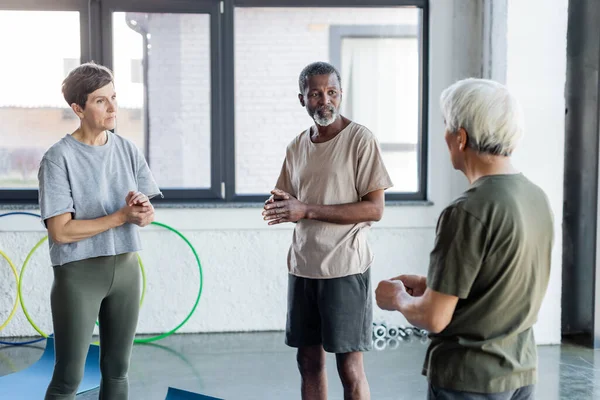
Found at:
<point>172,331</point>
<point>22,343</point>
<point>16,275</point>
<point>20,293</point>
<point>20,213</point>
<point>144,340</point>
<point>29,341</point>
<point>38,244</point>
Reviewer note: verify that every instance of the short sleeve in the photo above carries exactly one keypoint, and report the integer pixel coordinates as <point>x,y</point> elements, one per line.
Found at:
<point>146,183</point>
<point>55,196</point>
<point>456,258</point>
<point>284,182</point>
<point>371,172</point>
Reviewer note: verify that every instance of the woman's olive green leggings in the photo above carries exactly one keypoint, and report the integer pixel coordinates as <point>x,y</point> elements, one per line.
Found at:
<point>107,288</point>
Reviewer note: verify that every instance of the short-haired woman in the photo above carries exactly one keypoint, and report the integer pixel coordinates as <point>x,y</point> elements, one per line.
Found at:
<point>95,191</point>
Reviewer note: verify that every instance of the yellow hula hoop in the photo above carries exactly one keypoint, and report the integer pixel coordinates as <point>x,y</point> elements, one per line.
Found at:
<point>16,274</point>
<point>44,334</point>
<point>20,285</point>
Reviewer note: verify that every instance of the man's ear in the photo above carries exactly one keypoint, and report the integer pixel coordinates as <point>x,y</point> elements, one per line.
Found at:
<point>462,138</point>
<point>301,98</point>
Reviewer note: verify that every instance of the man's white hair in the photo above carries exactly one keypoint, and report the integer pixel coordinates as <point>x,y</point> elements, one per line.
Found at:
<point>487,111</point>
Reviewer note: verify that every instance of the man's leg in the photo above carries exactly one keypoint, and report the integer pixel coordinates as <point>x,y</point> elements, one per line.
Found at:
<point>352,374</point>
<point>347,319</point>
<point>303,331</point>
<point>311,364</point>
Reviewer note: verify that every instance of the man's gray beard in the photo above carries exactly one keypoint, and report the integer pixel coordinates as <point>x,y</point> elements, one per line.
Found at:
<point>325,121</point>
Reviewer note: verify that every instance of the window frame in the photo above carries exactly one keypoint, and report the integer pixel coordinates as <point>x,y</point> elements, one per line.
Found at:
<point>208,7</point>
<point>229,92</point>
<point>29,196</point>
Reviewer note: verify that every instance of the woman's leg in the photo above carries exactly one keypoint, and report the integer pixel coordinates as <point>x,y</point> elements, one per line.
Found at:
<point>77,292</point>
<point>118,321</point>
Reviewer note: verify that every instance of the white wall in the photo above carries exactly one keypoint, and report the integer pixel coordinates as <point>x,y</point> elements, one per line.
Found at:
<point>536,73</point>
<point>244,260</point>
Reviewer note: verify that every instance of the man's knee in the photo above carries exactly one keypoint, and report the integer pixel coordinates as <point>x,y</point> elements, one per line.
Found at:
<point>311,360</point>
<point>350,368</point>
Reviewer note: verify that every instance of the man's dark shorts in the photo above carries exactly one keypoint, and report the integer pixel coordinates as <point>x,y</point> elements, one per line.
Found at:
<point>336,313</point>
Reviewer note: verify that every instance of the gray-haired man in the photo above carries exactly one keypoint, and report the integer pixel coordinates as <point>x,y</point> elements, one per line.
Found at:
<point>332,184</point>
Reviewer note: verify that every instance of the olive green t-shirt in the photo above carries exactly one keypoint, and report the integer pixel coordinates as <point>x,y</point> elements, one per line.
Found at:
<point>492,250</point>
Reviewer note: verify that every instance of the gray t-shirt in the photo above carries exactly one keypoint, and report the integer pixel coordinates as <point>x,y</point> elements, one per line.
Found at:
<point>92,182</point>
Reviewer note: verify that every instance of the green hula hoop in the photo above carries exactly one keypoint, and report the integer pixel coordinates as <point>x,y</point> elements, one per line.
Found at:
<point>172,331</point>
<point>20,285</point>
<point>144,340</point>
<point>16,275</point>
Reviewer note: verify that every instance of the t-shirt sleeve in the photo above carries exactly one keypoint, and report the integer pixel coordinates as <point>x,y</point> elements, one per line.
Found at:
<point>456,258</point>
<point>284,182</point>
<point>371,172</point>
<point>55,196</point>
<point>146,183</point>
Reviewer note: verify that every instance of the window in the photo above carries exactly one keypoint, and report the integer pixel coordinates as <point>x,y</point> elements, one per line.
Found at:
<point>177,93</point>
<point>208,89</point>
<point>388,105</point>
<point>137,71</point>
<point>32,107</point>
<point>378,51</point>
<point>176,138</point>
<point>69,65</point>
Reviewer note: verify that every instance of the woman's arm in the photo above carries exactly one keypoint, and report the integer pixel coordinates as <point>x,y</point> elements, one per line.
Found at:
<point>64,229</point>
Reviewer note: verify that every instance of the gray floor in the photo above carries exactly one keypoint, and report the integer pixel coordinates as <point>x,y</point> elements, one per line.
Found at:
<point>259,366</point>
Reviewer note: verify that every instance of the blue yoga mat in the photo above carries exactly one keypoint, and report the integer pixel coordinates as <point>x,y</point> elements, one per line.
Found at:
<point>31,383</point>
<point>178,394</point>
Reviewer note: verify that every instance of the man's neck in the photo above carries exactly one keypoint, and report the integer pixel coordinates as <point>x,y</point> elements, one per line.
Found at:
<point>325,133</point>
<point>483,165</point>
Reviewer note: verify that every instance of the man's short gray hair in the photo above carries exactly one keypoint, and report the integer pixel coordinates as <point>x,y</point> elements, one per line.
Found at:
<point>316,68</point>
<point>487,111</point>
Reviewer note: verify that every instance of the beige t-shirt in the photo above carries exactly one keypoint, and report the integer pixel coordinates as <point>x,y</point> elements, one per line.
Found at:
<point>339,171</point>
